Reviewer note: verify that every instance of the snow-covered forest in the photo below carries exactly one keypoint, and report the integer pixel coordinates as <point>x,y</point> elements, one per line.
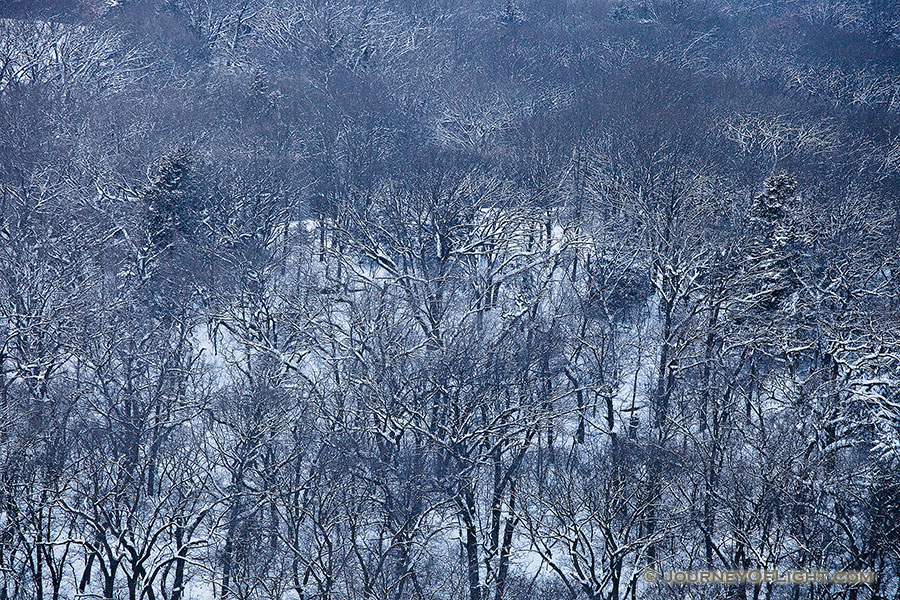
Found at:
<point>447,299</point>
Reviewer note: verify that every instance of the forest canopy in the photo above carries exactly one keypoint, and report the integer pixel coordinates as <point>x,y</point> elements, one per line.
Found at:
<point>448,299</point>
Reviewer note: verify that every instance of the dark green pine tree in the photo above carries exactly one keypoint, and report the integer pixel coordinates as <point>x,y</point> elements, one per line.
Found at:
<point>772,244</point>
<point>511,15</point>
<point>172,203</point>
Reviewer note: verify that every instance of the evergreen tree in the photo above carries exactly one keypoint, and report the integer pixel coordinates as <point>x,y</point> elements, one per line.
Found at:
<point>772,244</point>
<point>172,202</point>
<point>511,14</point>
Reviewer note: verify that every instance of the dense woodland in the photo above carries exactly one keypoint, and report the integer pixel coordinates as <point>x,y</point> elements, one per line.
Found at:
<point>447,299</point>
